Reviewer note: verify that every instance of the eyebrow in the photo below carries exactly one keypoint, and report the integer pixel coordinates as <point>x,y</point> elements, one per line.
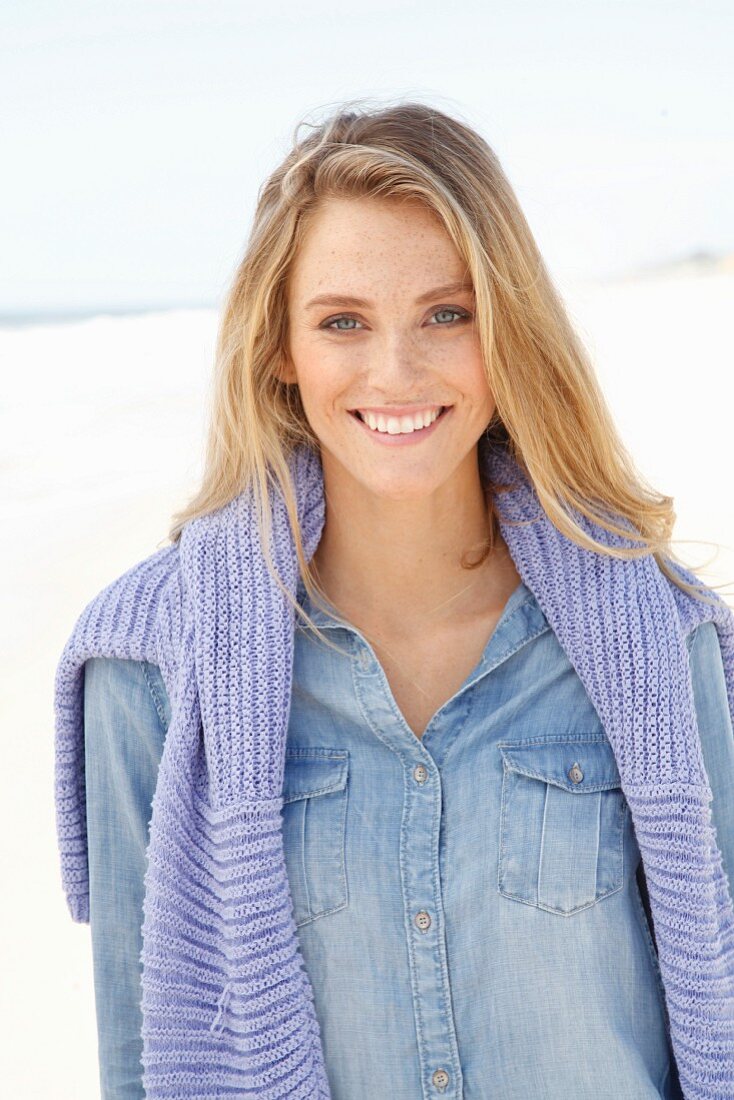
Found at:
<point>430,295</point>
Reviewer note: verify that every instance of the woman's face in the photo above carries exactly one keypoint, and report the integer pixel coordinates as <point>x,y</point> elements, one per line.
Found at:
<point>380,319</point>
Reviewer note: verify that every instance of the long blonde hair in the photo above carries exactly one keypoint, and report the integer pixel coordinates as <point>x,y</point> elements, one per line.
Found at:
<point>550,411</point>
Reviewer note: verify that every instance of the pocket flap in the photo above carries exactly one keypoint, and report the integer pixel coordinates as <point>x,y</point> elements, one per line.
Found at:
<point>310,772</point>
<point>573,764</point>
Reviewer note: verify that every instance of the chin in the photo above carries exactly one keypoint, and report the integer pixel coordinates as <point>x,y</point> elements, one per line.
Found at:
<point>400,489</point>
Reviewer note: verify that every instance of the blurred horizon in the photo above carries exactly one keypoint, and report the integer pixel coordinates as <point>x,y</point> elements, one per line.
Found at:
<point>699,263</point>
<point>136,136</point>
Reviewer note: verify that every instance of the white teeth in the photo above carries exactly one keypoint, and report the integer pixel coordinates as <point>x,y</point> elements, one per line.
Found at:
<point>399,425</point>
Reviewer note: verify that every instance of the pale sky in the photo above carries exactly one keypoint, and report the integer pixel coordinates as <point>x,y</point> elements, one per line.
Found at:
<point>135,135</point>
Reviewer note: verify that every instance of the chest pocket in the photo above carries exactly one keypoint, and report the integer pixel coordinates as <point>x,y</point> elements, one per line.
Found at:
<point>562,823</point>
<point>314,830</point>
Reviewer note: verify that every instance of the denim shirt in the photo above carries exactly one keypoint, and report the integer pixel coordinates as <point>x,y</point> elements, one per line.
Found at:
<point>471,905</point>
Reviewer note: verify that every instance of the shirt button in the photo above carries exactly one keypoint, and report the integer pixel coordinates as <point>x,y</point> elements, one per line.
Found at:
<point>364,660</point>
<point>420,773</point>
<point>575,774</point>
<point>422,920</point>
<point>440,1079</point>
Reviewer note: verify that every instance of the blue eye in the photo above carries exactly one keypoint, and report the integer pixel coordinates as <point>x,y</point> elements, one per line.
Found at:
<point>459,315</point>
<point>333,321</point>
<point>449,309</point>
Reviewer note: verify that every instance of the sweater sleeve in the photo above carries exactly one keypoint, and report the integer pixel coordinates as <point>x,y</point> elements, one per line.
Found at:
<point>138,617</point>
<point>717,736</point>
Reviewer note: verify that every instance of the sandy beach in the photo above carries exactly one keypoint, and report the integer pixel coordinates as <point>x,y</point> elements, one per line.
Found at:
<point>101,429</point>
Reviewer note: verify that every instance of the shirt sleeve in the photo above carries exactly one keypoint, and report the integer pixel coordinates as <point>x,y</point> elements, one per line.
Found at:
<point>717,736</point>
<point>126,715</point>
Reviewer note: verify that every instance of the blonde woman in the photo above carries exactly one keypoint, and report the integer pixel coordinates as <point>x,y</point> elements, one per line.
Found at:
<point>408,765</point>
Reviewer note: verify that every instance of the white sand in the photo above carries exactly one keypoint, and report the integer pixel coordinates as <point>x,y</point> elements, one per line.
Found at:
<point>101,429</point>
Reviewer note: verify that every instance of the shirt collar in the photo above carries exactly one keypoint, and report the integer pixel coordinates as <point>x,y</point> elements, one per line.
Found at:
<point>518,627</point>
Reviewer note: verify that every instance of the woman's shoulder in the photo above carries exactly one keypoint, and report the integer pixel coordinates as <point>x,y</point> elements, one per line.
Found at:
<point>143,581</point>
<point>137,614</point>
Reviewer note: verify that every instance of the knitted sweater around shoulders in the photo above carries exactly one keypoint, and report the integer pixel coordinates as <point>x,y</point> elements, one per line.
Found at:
<point>227,1004</point>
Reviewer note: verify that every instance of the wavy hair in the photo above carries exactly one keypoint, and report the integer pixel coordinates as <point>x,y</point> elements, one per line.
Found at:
<point>550,410</point>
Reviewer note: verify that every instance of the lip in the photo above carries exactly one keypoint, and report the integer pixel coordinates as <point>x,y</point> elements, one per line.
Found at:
<point>399,439</point>
<point>396,410</point>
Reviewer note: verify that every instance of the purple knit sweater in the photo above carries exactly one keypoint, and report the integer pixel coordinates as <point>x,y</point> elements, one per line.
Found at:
<point>227,1004</point>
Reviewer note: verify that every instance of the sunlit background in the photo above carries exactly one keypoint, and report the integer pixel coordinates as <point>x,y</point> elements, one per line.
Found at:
<point>134,139</point>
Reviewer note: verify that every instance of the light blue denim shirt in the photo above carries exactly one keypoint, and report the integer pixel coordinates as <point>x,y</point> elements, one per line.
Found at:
<point>470,906</point>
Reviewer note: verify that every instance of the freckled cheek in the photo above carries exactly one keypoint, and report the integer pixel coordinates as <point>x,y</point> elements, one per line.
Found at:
<point>335,378</point>
<point>468,377</point>
<point>324,389</point>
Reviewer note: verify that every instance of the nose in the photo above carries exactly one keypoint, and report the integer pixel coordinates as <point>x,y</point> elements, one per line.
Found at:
<point>397,365</point>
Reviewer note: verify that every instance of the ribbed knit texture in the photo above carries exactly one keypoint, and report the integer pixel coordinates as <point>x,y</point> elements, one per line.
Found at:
<point>227,1005</point>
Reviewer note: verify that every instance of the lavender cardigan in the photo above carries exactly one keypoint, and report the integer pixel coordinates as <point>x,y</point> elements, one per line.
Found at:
<point>227,1004</point>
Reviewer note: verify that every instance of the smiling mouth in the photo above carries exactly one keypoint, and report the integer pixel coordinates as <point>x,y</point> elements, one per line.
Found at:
<point>411,431</point>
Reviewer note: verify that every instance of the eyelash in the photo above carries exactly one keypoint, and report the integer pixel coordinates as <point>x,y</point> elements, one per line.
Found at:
<point>461,315</point>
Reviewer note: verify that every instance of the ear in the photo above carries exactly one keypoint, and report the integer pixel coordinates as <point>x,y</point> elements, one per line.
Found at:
<point>286,372</point>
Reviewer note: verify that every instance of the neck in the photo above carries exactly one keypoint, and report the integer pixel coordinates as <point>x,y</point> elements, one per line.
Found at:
<point>397,564</point>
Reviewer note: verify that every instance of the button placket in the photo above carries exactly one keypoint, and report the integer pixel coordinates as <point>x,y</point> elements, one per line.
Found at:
<point>422,897</point>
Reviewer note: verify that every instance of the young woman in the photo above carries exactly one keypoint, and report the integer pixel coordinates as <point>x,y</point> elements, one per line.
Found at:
<point>462,864</point>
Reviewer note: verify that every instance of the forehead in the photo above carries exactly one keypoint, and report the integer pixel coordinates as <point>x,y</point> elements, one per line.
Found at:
<point>354,239</point>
